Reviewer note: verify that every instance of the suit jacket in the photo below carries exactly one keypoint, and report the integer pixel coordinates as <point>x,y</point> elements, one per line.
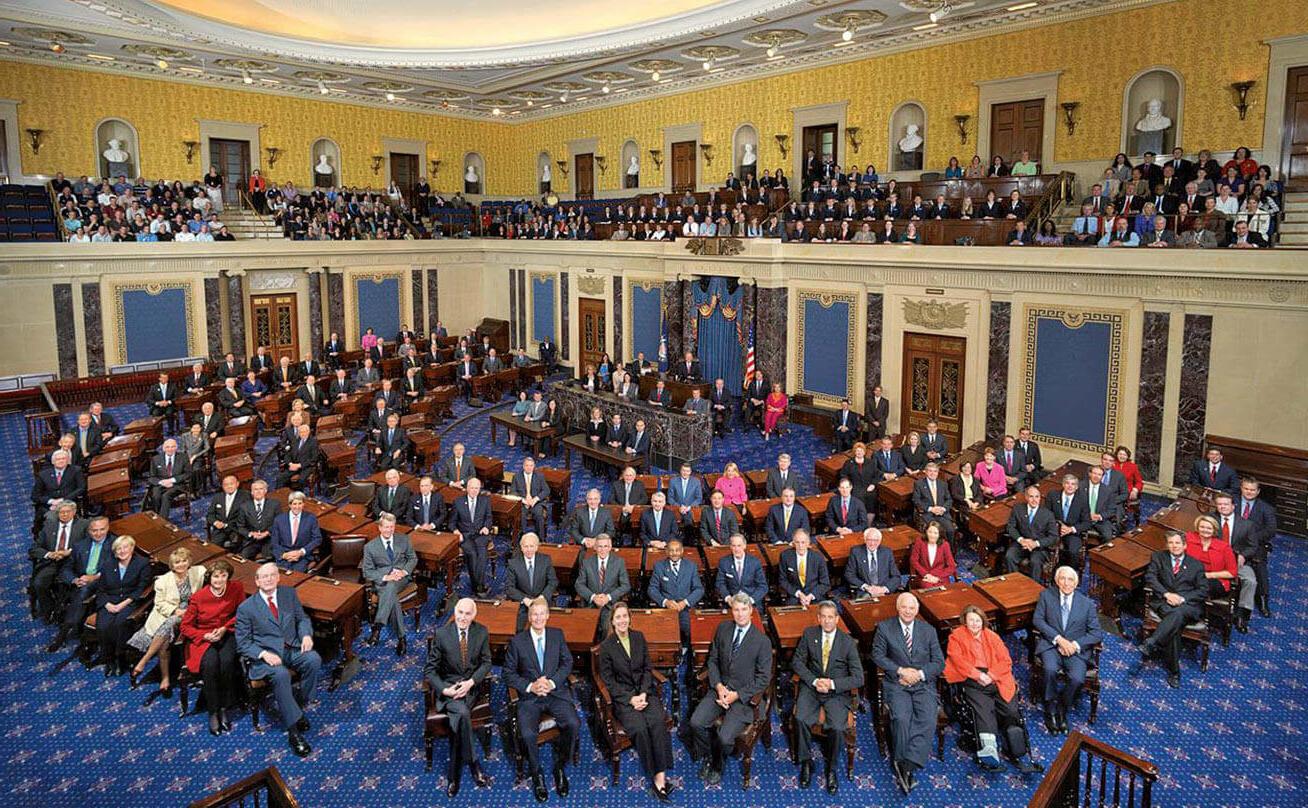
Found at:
<point>817,580</point>
<point>748,671</point>
<point>1031,451</point>
<point>914,459</point>
<point>1018,466</point>
<point>1244,537</point>
<point>848,419</point>
<point>616,581</point>
<point>258,631</point>
<point>377,420</point>
<point>757,389</point>
<point>638,443</point>
<point>94,442</point>
<point>437,513</point>
<point>542,583</point>
<point>397,505</point>
<point>1044,529</point>
<point>843,668</point>
<point>227,398</point>
<point>920,564</point>
<point>878,411</point>
<point>445,665</point>
<point>1082,622</point>
<point>686,585</point>
<point>715,398</point>
<point>857,573</point>
<point>774,484</point>
<point>521,667</point>
<point>922,497</point>
<point>1077,514</point>
<point>71,485</point>
<point>219,513</point>
<point>667,526</point>
<point>317,400</point>
<point>1263,518</point>
<point>752,580</point>
<point>856,517</point>
<point>889,653</point>
<point>627,676</point>
<point>80,561</point>
<point>582,527</point>
<point>214,424</point>
<point>680,371</point>
<point>338,388</point>
<point>258,363</point>
<point>776,526</point>
<point>957,493</point>
<point>621,496</point>
<point>115,586</point>
<point>155,395</point>
<point>469,522</point>
<point>332,347</point>
<point>365,375</point>
<point>539,488</point>
<point>450,472</point>
<point>891,462</point>
<point>305,454</point>
<point>1226,479</point>
<point>291,376</point>
<point>48,540</point>
<point>391,442</point>
<point>688,492</point>
<point>307,539</point>
<point>708,525</point>
<point>314,368</point>
<point>181,468</point>
<point>167,597</point>
<point>1190,582</point>
<point>377,564</point>
<point>247,521</point>
<point>235,371</point>
<point>1115,484</point>
<point>937,443</point>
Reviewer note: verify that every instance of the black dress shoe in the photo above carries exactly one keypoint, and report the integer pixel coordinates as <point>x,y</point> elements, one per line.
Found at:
<point>479,778</point>
<point>833,782</point>
<point>374,635</point>
<point>299,746</point>
<point>805,774</point>
<point>1028,766</point>
<point>224,723</point>
<point>989,764</point>
<point>1051,723</point>
<point>667,789</point>
<point>303,724</point>
<point>1265,608</point>
<point>704,769</point>
<point>57,642</point>
<point>1062,722</point>
<point>714,776</point>
<point>1173,680</point>
<point>401,647</point>
<point>912,780</point>
<point>215,726</point>
<point>561,785</point>
<point>901,776</point>
<point>538,787</point>
<point>452,787</point>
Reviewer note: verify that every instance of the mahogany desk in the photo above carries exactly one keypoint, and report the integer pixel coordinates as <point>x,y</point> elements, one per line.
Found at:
<point>603,453</point>
<point>787,625</point>
<point>240,466</point>
<point>110,461</point>
<point>1180,515</point>
<point>316,507</point>
<point>827,470</point>
<point>714,555</point>
<point>900,539</point>
<point>202,552</point>
<point>703,625</point>
<point>340,523</point>
<point>438,551</point>
<point>864,614</point>
<point>942,607</point>
<point>111,489</point>
<point>1117,567</point>
<point>662,630</point>
<point>1015,594</point>
<point>530,430</point>
<point>837,549</point>
<point>678,390</point>
<point>406,479</point>
<point>151,532</point>
<point>150,428</point>
<point>896,496</point>
<point>564,557</point>
<point>334,603</point>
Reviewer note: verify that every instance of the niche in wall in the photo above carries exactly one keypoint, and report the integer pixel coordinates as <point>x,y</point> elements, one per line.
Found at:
<point>630,164</point>
<point>325,155</point>
<point>907,137</point>
<point>117,149</point>
<point>474,173</point>
<point>1151,112</point>
<point>744,149</point>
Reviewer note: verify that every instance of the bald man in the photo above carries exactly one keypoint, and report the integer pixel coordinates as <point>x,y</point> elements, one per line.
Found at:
<point>458,662</point>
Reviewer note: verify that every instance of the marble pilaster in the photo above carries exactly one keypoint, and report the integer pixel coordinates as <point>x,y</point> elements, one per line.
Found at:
<point>565,301</point>
<point>673,316</point>
<point>93,327</point>
<point>236,312</point>
<point>336,302</point>
<point>65,330</point>
<point>514,313</point>
<point>433,300</point>
<point>771,332</point>
<point>875,308</point>
<point>997,376</point>
<point>617,319</point>
<point>1153,386</point>
<point>415,293</point>
<point>316,338</point>
<point>1192,408</point>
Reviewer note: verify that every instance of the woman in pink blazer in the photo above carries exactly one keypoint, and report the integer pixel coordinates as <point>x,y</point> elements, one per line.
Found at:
<point>991,475</point>
<point>931,561</point>
<point>732,485</point>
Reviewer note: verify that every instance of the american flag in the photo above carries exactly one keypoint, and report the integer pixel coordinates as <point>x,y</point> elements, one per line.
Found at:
<point>749,358</point>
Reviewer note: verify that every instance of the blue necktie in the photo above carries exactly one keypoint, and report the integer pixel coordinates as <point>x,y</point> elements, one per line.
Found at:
<point>1030,516</point>
<point>540,653</point>
<point>390,552</point>
<point>735,643</point>
<point>1067,611</point>
<point>1066,502</point>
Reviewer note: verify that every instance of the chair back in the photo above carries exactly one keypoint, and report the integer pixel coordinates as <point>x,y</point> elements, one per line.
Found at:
<point>347,553</point>
<point>360,492</point>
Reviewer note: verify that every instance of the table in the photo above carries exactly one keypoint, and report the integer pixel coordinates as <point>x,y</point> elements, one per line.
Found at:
<point>151,531</point>
<point>437,551</point>
<point>229,445</point>
<point>900,539</point>
<point>942,606</point>
<point>675,435</point>
<point>150,428</point>
<point>316,507</point>
<point>1180,515</point>
<point>989,524</point>
<point>427,445</point>
<point>827,470</point>
<point>787,625</point>
<point>1015,594</point>
<point>896,496</point>
<point>617,458</point>
<point>240,466</point>
<point>340,523</point>
<point>202,552</point>
<point>532,431</point>
<point>335,603</point>
<point>1150,535</point>
<point>703,625</point>
<point>864,615</point>
<point>243,570</point>
<point>112,489</point>
<point>109,461</point>
<point>500,617</point>
<point>1117,566</point>
<point>837,549</point>
<point>340,457</point>
<point>564,557</point>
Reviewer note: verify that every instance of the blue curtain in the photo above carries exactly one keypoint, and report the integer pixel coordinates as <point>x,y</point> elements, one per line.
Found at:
<point>826,347</point>
<point>720,336</point>
<point>378,306</point>
<point>542,308</point>
<point>646,320</point>
<point>155,325</point>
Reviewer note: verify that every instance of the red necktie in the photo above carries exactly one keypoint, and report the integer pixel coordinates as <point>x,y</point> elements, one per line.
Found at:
<point>59,477</point>
<point>844,510</point>
<point>1246,510</point>
<point>272,607</point>
<point>1212,474</point>
<point>718,519</point>
<point>1176,565</point>
<point>1226,530</point>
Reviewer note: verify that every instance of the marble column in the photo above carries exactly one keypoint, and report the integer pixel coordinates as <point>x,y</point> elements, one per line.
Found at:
<point>875,307</point>
<point>522,308</point>
<point>1192,409</point>
<point>997,376</point>
<point>213,314</point>
<point>513,308</point>
<point>336,302</point>
<point>672,316</point>
<point>617,319</point>
<point>689,321</point>
<point>1153,386</point>
<point>316,338</point>
<point>236,313</point>
<point>415,292</point>
<point>65,330</point>
<point>565,339</point>
<point>433,300</point>
<point>93,328</point>
<point>771,332</point>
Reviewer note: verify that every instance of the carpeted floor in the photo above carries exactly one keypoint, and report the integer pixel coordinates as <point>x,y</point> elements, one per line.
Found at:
<point>68,737</point>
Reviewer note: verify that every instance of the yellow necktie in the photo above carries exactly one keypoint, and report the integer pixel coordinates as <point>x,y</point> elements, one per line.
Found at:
<point>801,572</point>
<point>785,520</point>
<point>826,651</point>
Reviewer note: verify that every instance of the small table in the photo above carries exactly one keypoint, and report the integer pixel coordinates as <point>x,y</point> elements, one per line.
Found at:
<point>340,523</point>
<point>896,495</point>
<point>151,532</point>
<point>942,606</point>
<point>530,430</point>
<point>150,428</point>
<point>1180,515</point>
<point>837,549</point>
<point>109,461</point>
<point>604,454</point>
<point>988,525</point>
<point>229,445</point>
<point>336,603</point>
<point>662,630</point>
<point>827,470</point>
<point>112,489</point>
<point>240,466</point>
<point>787,626</point>
<point>202,552</point>
<point>865,614</point>
<point>564,558</point>
<point>1117,567</point>
<point>243,570</point>
<point>1016,596</point>
<point>900,540</point>
<point>704,625</point>
<point>436,552</point>
<point>340,456</point>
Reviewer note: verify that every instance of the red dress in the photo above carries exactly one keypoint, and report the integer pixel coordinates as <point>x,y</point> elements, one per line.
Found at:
<point>1134,482</point>
<point>919,561</point>
<point>776,407</point>
<point>205,613</point>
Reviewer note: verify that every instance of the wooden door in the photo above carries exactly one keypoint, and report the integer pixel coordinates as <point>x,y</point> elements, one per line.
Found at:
<point>933,384</point>
<point>821,140</point>
<point>1294,130</point>
<point>233,160</point>
<point>584,171</point>
<point>1015,126</point>
<point>404,172</point>
<point>591,312</point>
<point>277,325</point>
<point>683,166</point>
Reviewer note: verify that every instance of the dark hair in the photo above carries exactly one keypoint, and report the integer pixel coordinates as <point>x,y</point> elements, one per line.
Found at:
<point>1121,158</point>
<point>221,565</point>
<point>1123,449</point>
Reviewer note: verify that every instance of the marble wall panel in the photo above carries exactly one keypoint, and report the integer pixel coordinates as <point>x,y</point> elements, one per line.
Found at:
<point>415,295</point>
<point>65,330</point>
<point>1153,386</point>
<point>236,315</point>
<point>1192,409</point>
<point>317,339</point>
<point>997,376</point>
<point>673,315</point>
<point>93,326</point>
<point>771,330</point>
<point>565,301</point>
<point>433,300</point>
<point>872,366</point>
<point>336,302</point>
<point>617,320</point>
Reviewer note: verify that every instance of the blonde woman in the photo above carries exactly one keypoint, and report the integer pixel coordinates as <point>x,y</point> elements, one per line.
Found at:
<point>172,594</point>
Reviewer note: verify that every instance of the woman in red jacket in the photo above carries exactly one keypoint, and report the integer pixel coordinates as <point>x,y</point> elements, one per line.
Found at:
<point>209,626</point>
<point>1130,473</point>
<point>931,561</point>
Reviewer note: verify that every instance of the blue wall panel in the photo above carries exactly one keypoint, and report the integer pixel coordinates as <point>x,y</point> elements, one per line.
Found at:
<point>826,347</point>
<point>155,326</point>
<point>1072,380</point>
<point>542,308</point>
<point>379,306</point>
<point>646,321</point>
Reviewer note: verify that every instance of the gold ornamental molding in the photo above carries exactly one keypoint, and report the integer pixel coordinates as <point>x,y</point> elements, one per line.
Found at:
<point>590,285</point>
<point>715,246</point>
<point>935,315</point>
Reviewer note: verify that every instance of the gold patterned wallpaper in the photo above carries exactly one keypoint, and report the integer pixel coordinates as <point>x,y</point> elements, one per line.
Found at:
<point>1097,57</point>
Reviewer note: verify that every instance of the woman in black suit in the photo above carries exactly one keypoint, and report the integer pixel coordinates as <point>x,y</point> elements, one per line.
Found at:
<point>862,475</point>
<point>965,489</point>
<point>596,428</point>
<point>990,209</point>
<point>625,670</point>
<point>915,454</point>
<point>124,580</point>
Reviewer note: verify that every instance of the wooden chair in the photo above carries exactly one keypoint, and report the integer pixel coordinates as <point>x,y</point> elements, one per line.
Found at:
<point>759,729</point>
<point>819,728</point>
<point>257,690</point>
<point>436,724</point>
<point>360,492</point>
<point>881,724</point>
<point>1221,611</point>
<point>1091,681</point>
<point>609,733</point>
<point>546,732</point>
<point>346,560</point>
<point>1198,632</point>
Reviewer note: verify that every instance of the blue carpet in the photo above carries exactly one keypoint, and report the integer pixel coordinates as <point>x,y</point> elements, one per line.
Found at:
<point>69,737</point>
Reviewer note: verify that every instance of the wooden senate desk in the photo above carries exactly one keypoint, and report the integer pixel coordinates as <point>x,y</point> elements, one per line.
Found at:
<point>827,470</point>
<point>202,552</point>
<point>340,523</point>
<point>942,606</point>
<point>111,489</point>
<point>703,625</point>
<point>1117,568</point>
<point>438,552</point>
<point>787,625</point>
<point>243,570</point>
<point>1282,472</point>
<point>333,603</point>
<point>896,496</point>
<point>240,466</point>
<point>662,630</point>
<point>151,532</point>
<point>617,458</point>
<point>150,428</point>
<point>500,617</point>
<point>1015,594</point>
<point>837,549</point>
<point>900,540</point>
<point>110,461</point>
<point>679,390</point>
<point>531,431</point>
<point>864,614</point>
<point>1180,515</point>
<point>340,457</point>
<point>564,557</point>
<point>316,507</point>
<point>988,523</point>
<point>713,555</point>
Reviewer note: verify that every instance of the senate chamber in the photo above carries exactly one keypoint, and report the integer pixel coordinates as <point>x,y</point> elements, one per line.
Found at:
<point>912,417</point>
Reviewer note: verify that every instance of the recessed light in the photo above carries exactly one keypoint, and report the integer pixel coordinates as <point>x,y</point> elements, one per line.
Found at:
<point>772,51</point>
<point>654,76</point>
<point>606,89</point>
<point>99,57</point>
<point>925,26</point>
<point>1022,6</point>
<point>322,87</point>
<point>497,111</point>
<point>530,103</point>
<point>708,64</point>
<point>57,47</point>
<point>246,77</point>
<point>390,96</point>
<point>847,34</point>
<point>191,69</point>
<point>162,64</point>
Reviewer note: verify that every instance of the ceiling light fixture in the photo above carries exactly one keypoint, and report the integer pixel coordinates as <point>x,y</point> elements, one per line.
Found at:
<point>496,111</point>
<point>1022,6</point>
<point>390,96</point>
<point>563,98</point>
<point>772,51</point>
<point>708,64</point>
<point>57,47</point>
<point>246,77</point>
<point>847,34</point>
<point>940,13</point>
<point>530,103</point>
<point>606,89</point>
<point>162,64</point>
<point>654,75</point>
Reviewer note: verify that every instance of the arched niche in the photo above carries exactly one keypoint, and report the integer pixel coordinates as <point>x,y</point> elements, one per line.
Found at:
<point>630,160</point>
<point>126,148</point>
<point>544,172</point>
<point>1162,128</point>
<point>474,173</point>
<point>744,150</point>
<point>325,163</point>
<point>907,137</point>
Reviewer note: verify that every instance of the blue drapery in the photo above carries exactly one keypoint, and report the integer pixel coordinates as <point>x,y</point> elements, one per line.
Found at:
<point>719,331</point>
<point>155,326</point>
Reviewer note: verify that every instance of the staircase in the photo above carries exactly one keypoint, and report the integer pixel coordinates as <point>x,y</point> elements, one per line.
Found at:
<point>1294,229</point>
<point>245,224</point>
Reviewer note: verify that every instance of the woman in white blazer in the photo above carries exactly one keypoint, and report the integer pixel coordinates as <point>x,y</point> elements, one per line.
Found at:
<point>172,592</point>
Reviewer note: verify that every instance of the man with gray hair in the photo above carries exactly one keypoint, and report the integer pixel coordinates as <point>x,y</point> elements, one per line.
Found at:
<point>739,668</point>
<point>55,484</point>
<point>827,664</point>
<point>1066,623</point>
<point>907,651</point>
<point>169,470</point>
<point>388,564</point>
<point>458,661</point>
<point>49,554</point>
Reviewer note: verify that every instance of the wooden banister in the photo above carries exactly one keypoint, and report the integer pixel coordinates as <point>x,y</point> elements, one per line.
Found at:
<point>264,788</point>
<point>1091,774</point>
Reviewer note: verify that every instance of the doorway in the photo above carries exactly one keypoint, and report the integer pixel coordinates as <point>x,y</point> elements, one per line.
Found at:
<point>276,324</point>
<point>232,157</point>
<point>683,166</point>
<point>933,384</point>
<point>404,173</point>
<point>591,310</point>
<point>1294,129</point>
<point>584,172</point>
<point>1015,126</point>
<point>821,140</point>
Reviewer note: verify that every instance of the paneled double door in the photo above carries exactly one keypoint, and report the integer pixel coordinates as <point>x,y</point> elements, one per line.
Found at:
<point>933,385</point>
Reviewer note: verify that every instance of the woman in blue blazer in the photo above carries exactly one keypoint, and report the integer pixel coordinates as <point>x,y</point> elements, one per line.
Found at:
<point>124,581</point>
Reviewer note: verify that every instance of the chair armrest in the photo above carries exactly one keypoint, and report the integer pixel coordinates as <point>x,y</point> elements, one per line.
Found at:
<point>658,676</point>
<point>603,691</point>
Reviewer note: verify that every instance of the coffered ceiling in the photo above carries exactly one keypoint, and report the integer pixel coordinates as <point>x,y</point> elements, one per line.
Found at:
<point>493,58</point>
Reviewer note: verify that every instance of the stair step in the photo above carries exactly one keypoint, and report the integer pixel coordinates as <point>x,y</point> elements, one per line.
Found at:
<point>1294,227</point>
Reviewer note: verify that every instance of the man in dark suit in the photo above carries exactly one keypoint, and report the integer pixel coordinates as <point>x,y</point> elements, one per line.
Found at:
<point>471,518</point>
<point>1034,465</point>
<point>211,422</point>
<point>889,464</point>
<point>285,376</point>
<point>935,444</point>
<point>390,395</point>
<point>261,360</point>
<point>687,370</point>
<point>295,536</point>
<point>169,470</point>
<point>1032,534</point>
<point>741,571</point>
<point>603,579</point>
<point>1213,473</point>
<point>530,485</point>
<point>675,584</point>
<point>1067,627</point>
<point>1244,238</point>
<point>392,449</point>
<point>80,578</point>
<point>932,502</point>
<point>637,443</point>
<point>301,458</point>
<point>233,402</point>
<point>388,564</point>
<point>314,396</point>
<point>756,394</point>
<point>412,387</point>
<point>1262,518</point>
<point>658,525</point>
<point>427,507</point>
<point>104,421</point>
<point>62,481</point>
<point>781,477</point>
<point>377,419</point>
<point>548,353</point>
<point>1071,511</point>
<point>784,518</point>
<point>628,492</point>
<point>161,398</point>
<point>615,433</point>
<point>739,668</point>
<point>871,570</point>
<point>720,406</point>
<point>1103,507</point>
<point>87,441</point>
<point>50,552</point>
<point>332,350</point>
<point>717,522</point>
<point>274,633</point>
<point>341,387</point>
<point>465,372</point>
<point>590,520</point>
<point>802,574</point>
<point>220,519</point>
<point>684,492</point>
<point>1243,538</point>
<point>536,665</point>
<point>254,520</point>
<point>1113,482</point>
<point>878,414</point>
<point>530,575</point>
<point>458,662</point>
<point>230,368</point>
<point>198,380</point>
<point>844,427</point>
<point>391,497</point>
<point>907,651</point>
<point>1178,588</point>
<point>846,513</point>
<point>827,664</point>
<point>1014,463</point>
<point>457,468</point>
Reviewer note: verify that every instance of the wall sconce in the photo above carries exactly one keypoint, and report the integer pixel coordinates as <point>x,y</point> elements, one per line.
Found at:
<point>851,134</point>
<point>435,167</point>
<point>563,167</point>
<point>191,146</point>
<point>962,120</point>
<point>34,137</point>
<point>273,154</point>
<point>706,149</point>
<point>657,156</point>
<point>1241,89</point>
<point>602,162</point>
<point>1069,115</point>
<point>377,161</point>
<point>782,140</point>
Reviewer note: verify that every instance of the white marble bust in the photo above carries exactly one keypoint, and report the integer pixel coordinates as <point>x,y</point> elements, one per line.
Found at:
<point>471,174</point>
<point>633,168</point>
<point>323,166</point>
<point>545,174</point>
<point>749,158</point>
<point>911,141</point>
<point>1154,119</point>
<point>116,153</point>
